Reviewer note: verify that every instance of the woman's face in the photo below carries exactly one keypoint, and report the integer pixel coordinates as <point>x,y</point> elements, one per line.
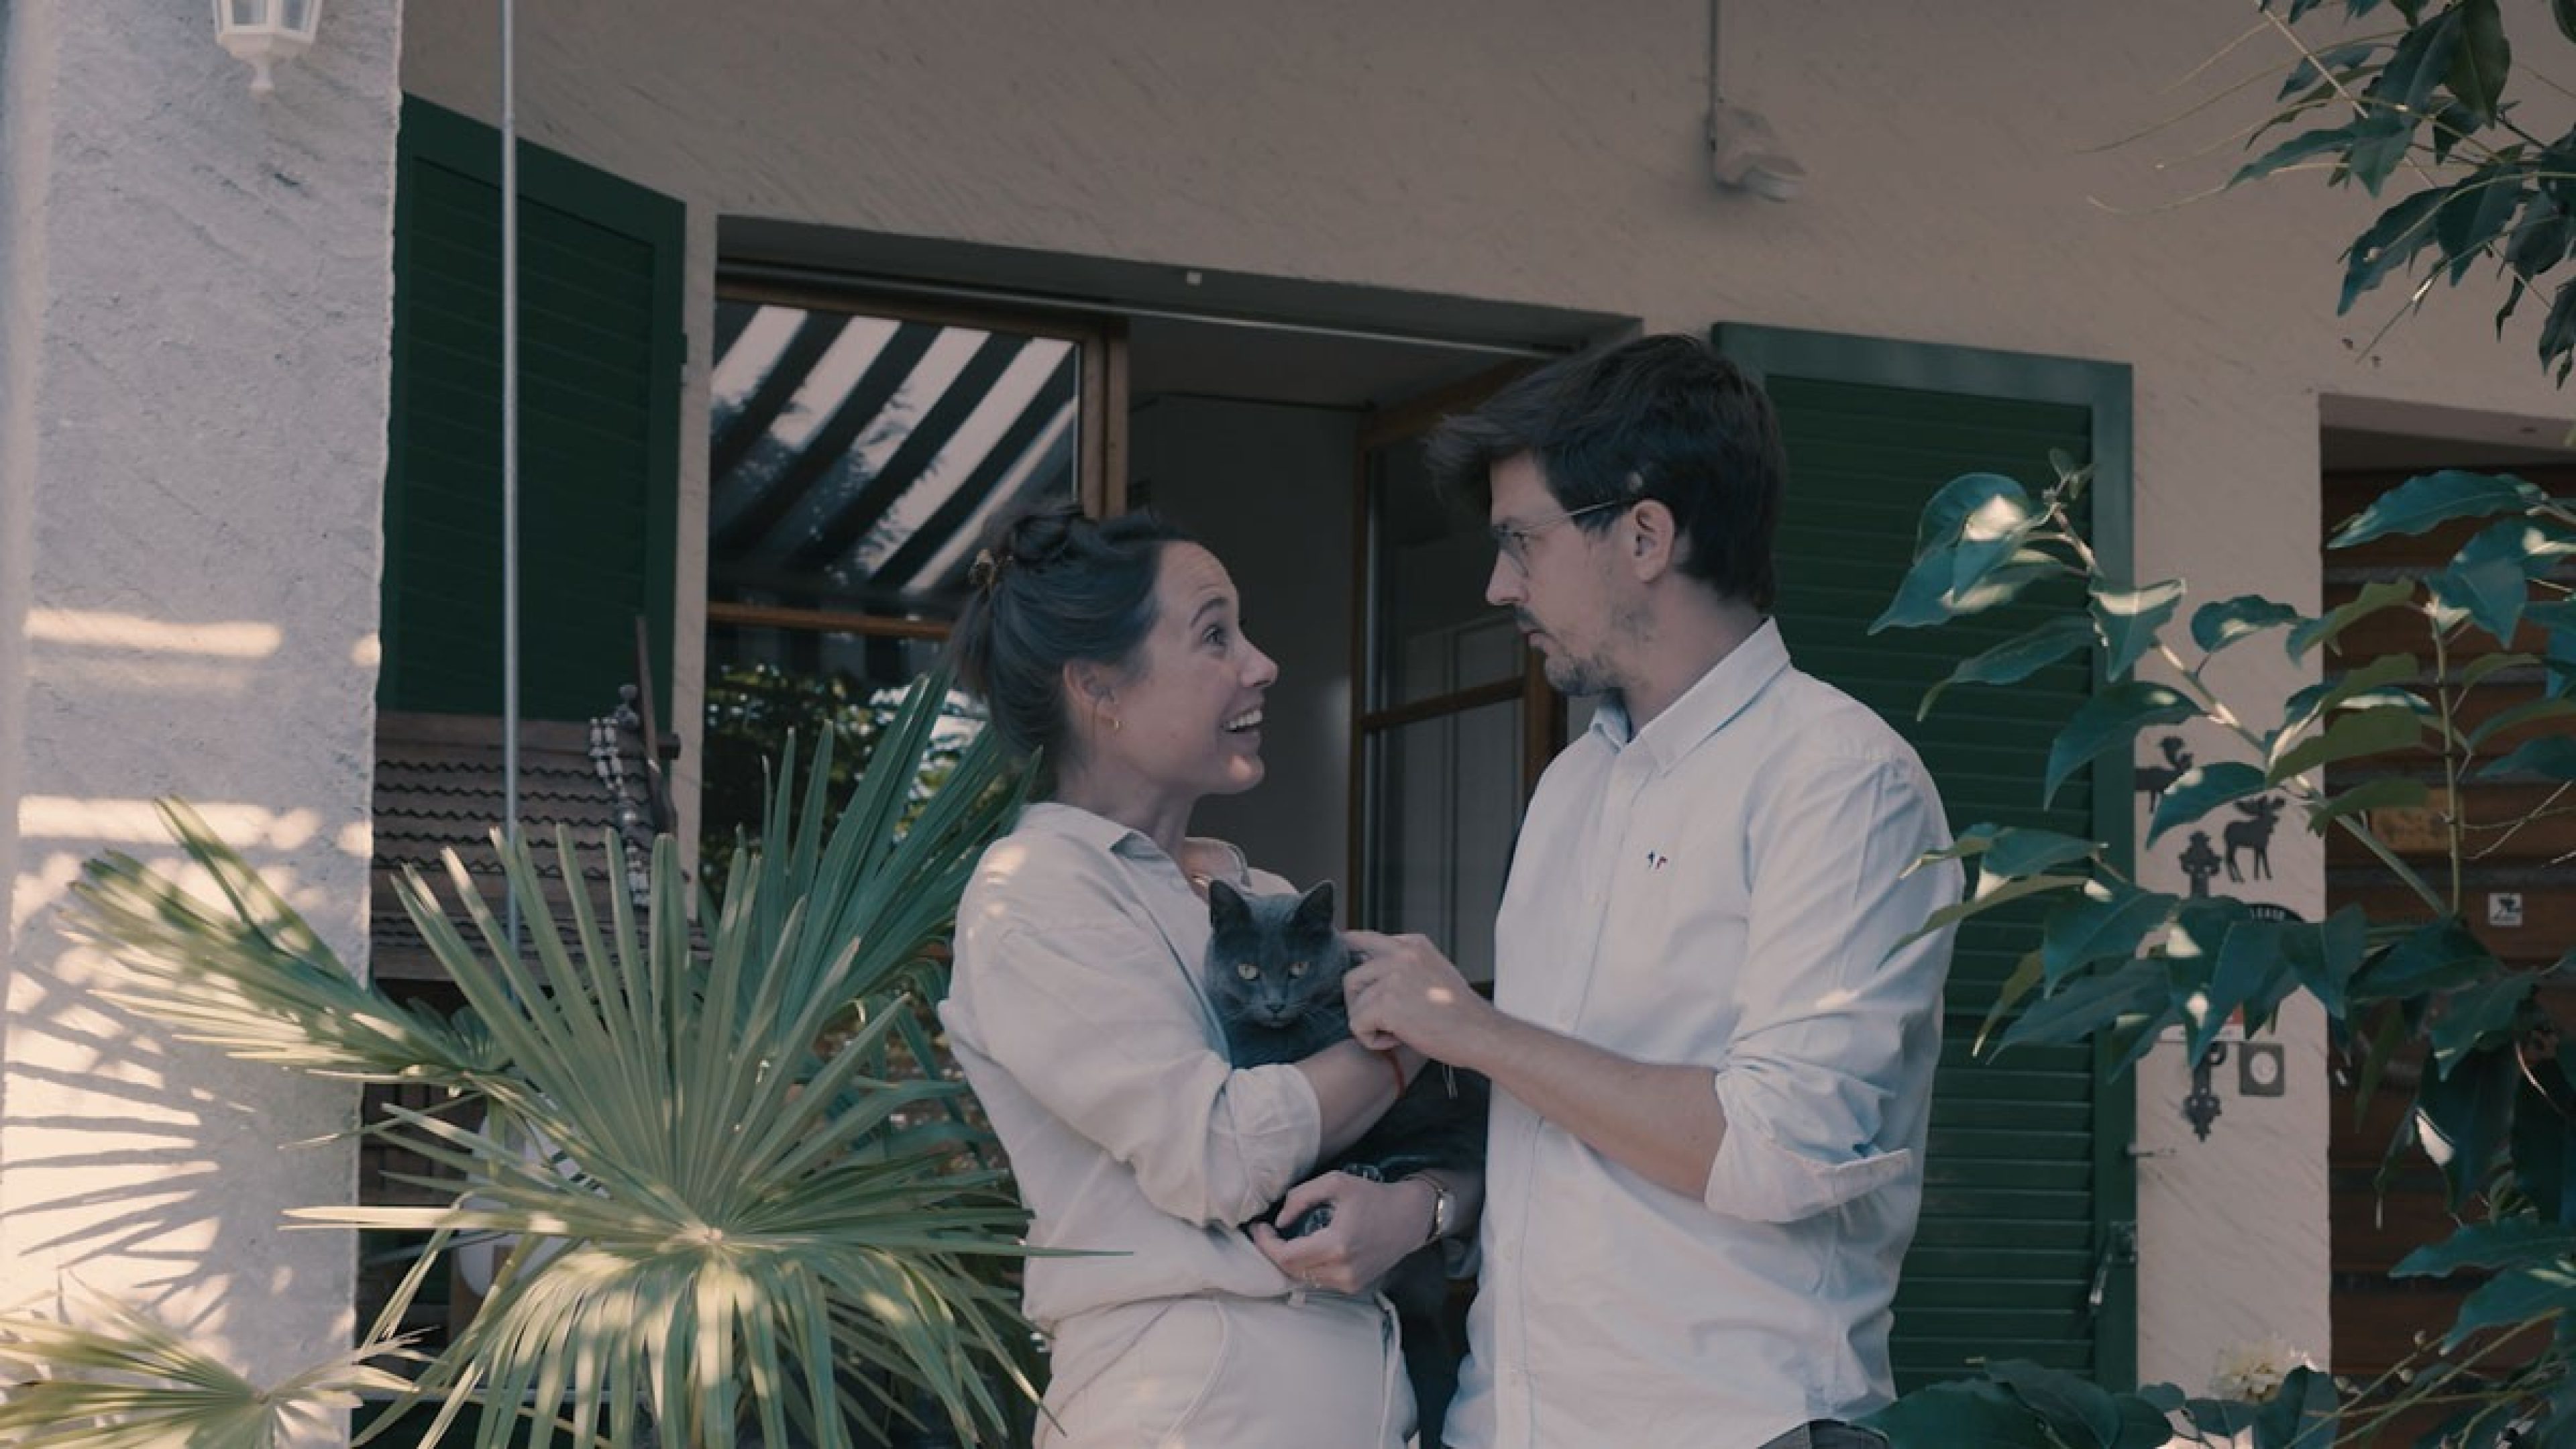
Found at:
<point>1188,707</point>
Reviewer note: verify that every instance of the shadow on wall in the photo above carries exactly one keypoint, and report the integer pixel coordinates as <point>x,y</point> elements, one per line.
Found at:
<point>139,1165</point>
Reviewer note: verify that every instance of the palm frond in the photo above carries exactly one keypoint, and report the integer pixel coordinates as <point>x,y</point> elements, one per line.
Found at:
<point>249,976</point>
<point>133,1382</point>
<point>725,1213</point>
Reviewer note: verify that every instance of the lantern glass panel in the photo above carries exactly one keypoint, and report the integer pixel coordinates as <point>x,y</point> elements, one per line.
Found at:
<point>249,14</point>
<point>297,16</point>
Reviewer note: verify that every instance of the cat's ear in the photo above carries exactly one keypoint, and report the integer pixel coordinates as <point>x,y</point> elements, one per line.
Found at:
<point>1315,907</point>
<point>1225,905</point>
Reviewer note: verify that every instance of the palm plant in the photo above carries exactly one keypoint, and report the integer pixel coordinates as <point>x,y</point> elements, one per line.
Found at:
<point>725,1201</point>
<point>135,1383</point>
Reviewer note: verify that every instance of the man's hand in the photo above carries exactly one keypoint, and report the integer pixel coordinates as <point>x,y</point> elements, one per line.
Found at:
<point>1403,990</point>
<point>1375,1225</point>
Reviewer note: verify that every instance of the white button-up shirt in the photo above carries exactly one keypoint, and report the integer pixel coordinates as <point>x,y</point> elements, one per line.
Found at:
<point>1722,889</point>
<point>1077,1010</point>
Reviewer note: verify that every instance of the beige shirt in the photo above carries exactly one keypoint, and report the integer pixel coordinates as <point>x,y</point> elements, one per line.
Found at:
<point>1077,1010</point>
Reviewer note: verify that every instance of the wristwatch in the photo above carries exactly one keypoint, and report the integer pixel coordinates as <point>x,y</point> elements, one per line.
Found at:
<point>1444,1208</point>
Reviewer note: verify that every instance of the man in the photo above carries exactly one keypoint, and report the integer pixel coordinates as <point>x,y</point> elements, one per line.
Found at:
<point>1711,1038</point>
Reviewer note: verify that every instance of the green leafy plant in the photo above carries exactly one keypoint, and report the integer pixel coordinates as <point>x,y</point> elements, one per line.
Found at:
<point>133,1382</point>
<point>2425,99</point>
<point>727,1199</point>
<point>2496,1103</point>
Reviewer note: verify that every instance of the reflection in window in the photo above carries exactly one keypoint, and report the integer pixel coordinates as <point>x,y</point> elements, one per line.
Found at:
<point>854,459</point>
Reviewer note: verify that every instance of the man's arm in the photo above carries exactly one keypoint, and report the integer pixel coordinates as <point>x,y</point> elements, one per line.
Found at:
<point>1835,1014</point>
<point>1662,1122</point>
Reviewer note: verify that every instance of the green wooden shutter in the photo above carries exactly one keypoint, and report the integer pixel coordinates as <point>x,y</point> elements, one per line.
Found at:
<point>600,354</point>
<point>2029,1191</point>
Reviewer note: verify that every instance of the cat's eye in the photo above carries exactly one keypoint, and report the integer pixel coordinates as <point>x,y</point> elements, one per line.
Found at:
<point>1296,969</point>
<point>1248,971</point>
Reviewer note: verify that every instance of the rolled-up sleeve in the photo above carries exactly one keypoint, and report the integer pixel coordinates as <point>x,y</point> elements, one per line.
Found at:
<point>1093,1022</point>
<point>1835,1020</point>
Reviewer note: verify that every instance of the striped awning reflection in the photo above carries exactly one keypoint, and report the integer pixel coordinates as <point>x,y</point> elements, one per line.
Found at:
<point>854,459</point>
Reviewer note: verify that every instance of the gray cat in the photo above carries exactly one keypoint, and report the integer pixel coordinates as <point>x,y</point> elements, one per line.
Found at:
<point>1274,968</point>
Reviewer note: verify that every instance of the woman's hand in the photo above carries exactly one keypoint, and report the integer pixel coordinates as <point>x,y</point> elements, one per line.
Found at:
<point>1375,1224</point>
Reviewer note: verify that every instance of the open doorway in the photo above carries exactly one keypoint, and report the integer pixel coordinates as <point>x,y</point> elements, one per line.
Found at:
<point>874,402</point>
<point>2514,893</point>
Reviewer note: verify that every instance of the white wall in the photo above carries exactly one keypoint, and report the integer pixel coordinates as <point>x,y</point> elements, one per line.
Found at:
<point>1962,188</point>
<point>195,307</point>
<point>1269,490</point>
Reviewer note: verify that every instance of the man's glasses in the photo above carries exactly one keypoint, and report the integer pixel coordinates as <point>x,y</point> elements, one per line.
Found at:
<point>1511,540</point>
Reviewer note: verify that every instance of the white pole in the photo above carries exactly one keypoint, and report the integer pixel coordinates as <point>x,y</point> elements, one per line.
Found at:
<point>510,445</point>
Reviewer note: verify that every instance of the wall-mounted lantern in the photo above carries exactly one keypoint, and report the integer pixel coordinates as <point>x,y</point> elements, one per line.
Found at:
<point>264,32</point>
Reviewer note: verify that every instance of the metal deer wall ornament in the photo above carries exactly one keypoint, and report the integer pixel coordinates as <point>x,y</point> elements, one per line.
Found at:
<point>2154,780</point>
<point>2254,835</point>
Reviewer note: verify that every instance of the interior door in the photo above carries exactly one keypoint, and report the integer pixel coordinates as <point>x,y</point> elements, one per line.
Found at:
<point>1451,719</point>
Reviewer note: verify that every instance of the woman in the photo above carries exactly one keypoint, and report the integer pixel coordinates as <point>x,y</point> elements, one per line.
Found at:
<point>1114,651</point>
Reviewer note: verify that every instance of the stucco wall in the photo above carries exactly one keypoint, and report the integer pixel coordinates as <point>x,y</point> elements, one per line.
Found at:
<point>1962,188</point>
<point>198,289</point>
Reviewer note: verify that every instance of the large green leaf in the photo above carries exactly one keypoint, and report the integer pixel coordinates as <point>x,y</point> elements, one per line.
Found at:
<point>2490,578</point>
<point>2216,626</point>
<point>2437,956</point>
<point>2481,63</point>
<point>1970,1411</point>
<point>2352,736</point>
<point>2552,757</point>
<point>2374,596</point>
<point>2325,957</point>
<point>2517,1295</point>
<point>2319,141</point>
<point>2475,1013</point>
<point>2513,1242</point>
<point>1968,553</point>
<point>2528,712</point>
<point>2300,1414</point>
<point>2430,500</point>
<point>2017,659</point>
<point>2110,921</point>
<point>2108,721</point>
<point>2395,239</point>
<point>2388,792</point>
<point>2089,1004</point>
<point>2077,1411</point>
<point>2464,1117</point>
<point>2130,620</point>
<point>2202,789</point>
<point>2334,691</point>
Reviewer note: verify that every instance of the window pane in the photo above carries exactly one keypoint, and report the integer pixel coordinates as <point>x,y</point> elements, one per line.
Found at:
<point>764,683</point>
<point>854,458</point>
<point>1443,805</point>
<point>1433,633</point>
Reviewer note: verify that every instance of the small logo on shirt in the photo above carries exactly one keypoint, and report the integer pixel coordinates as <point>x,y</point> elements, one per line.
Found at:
<point>1656,860</point>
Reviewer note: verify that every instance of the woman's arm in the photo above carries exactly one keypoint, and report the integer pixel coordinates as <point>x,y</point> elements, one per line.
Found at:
<point>1354,1086</point>
<point>1375,1225</point>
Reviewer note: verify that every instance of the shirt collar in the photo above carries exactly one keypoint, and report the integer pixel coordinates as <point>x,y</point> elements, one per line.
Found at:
<point>1100,831</point>
<point>1103,833</point>
<point>1705,708</point>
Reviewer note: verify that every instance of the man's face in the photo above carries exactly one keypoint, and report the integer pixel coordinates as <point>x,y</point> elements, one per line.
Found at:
<point>1554,577</point>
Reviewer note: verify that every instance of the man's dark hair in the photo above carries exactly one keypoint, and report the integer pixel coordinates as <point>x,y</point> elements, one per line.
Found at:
<point>1050,587</point>
<point>1664,418</point>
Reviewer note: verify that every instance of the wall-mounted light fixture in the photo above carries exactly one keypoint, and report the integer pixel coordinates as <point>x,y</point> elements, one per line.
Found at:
<point>264,32</point>
<point>1744,153</point>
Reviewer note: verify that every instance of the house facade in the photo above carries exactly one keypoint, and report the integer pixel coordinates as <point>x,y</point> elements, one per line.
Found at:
<point>811,289</point>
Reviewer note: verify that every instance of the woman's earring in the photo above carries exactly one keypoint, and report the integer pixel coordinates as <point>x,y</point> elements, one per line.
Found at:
<point>1116,724</point>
